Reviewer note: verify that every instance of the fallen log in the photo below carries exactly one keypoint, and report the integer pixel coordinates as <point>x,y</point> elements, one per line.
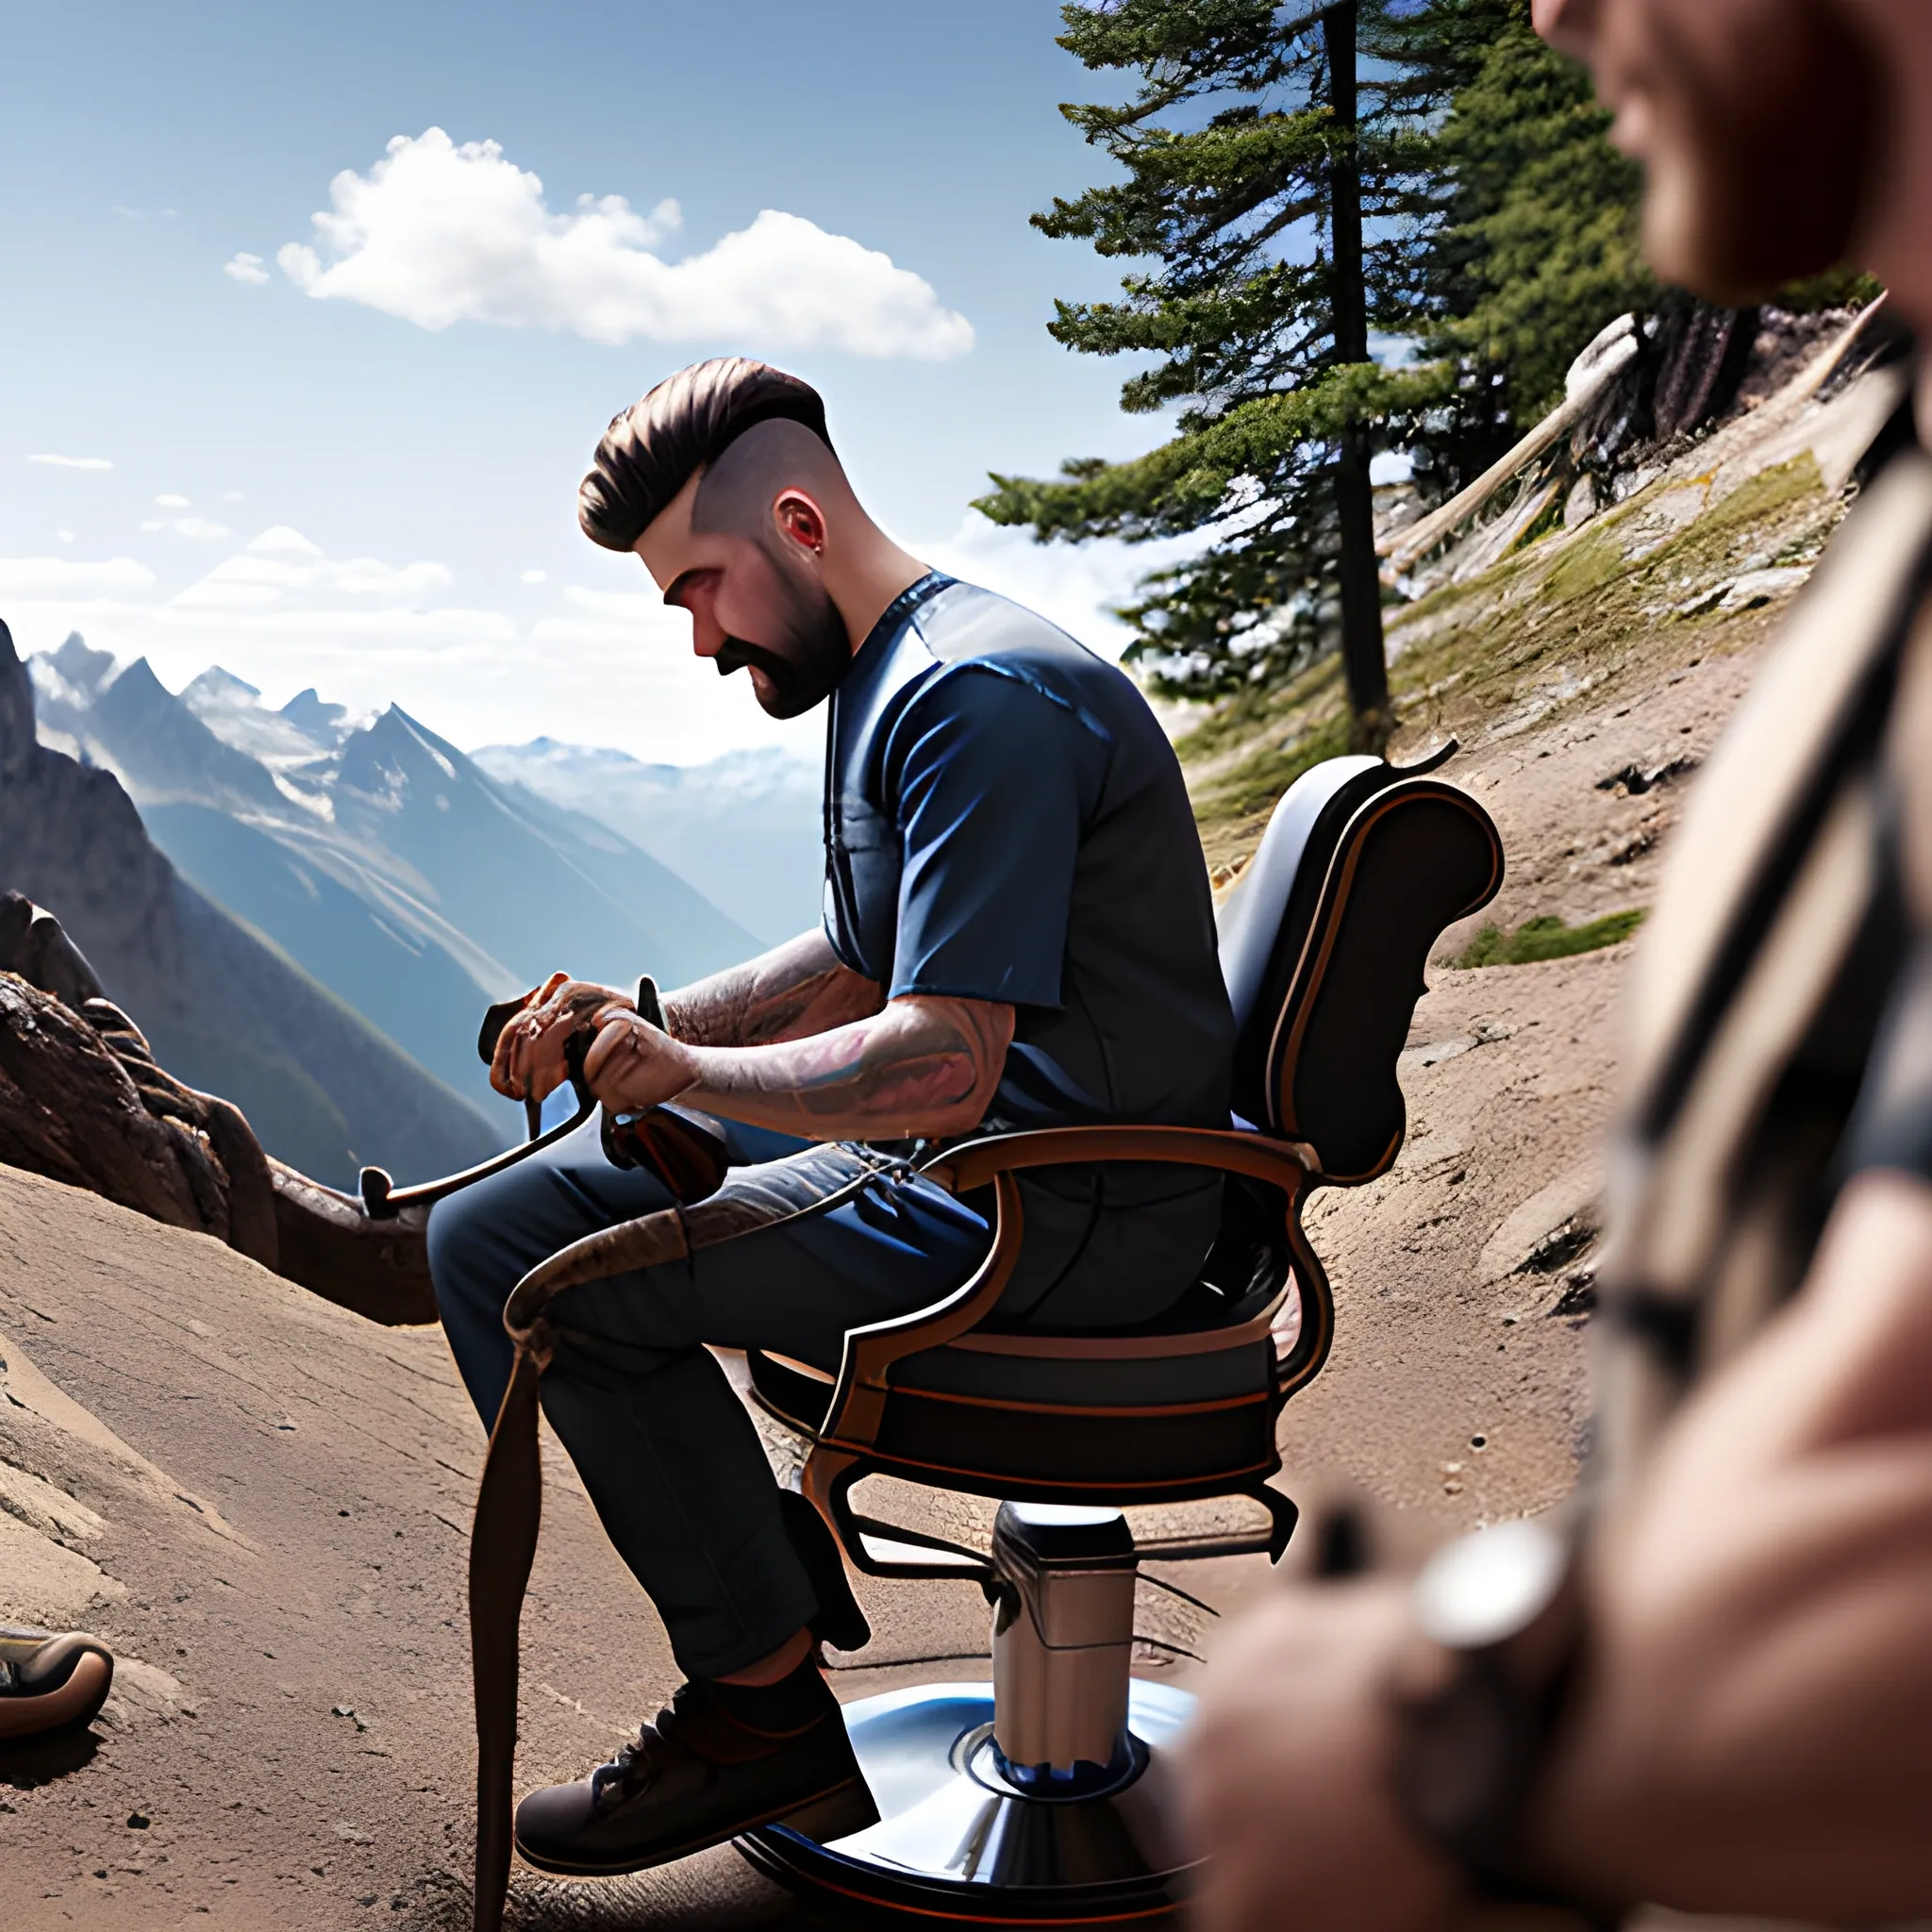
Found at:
<point>83,1101</point>
<point>1699,365</point>
<point>1597,368</point>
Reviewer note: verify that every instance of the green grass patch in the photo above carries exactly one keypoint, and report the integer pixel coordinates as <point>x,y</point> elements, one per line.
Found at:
<point>1769,493</point>
<point>1594,560</point>
<point>1546,938</point>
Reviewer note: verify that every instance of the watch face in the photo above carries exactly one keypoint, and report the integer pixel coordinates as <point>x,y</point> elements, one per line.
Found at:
<point>1484,1589</point>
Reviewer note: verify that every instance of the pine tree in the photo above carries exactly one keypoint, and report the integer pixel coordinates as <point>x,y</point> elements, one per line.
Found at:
<point>1268,169</point>
<point>1424,169</point>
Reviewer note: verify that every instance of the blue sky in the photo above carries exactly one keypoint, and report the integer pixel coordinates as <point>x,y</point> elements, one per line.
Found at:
<point>347,453</point>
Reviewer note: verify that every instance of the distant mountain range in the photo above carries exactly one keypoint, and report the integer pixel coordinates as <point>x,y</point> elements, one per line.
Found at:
<point>223,1009</point>
<point>399,873</point>
<point>745,827</point>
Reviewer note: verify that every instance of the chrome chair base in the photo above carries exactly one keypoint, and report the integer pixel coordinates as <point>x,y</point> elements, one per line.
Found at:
<point>959,1838</point>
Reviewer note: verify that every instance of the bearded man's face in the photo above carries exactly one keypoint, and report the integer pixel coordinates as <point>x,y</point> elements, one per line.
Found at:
<point>798,648</point>
<point>741,548</point>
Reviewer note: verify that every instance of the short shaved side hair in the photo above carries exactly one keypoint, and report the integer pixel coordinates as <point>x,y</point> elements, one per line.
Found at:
<point>683,425</point>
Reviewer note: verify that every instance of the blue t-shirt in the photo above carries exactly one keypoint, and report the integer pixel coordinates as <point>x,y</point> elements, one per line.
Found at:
<point>1006,821</point>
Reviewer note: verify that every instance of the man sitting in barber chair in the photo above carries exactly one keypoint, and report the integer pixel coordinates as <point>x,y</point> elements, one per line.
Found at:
<point>1018,933</point>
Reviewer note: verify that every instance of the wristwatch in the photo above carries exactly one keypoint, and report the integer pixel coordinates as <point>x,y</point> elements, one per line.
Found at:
<point>1498,1625</point>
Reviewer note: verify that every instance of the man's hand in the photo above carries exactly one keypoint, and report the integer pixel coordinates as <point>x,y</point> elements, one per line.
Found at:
<point>530,1060</point>
<point>1285,1774</point>
<point>632,1065</point>
<point>924,1066</point>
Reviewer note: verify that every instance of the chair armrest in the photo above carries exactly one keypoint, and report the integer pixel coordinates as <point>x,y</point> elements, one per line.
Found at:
<point>859,1402</point>
<point>1288,1164</point>
<point>857,1405</point>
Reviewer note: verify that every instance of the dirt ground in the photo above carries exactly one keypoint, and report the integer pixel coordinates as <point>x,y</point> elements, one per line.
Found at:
<point>262,1502</point>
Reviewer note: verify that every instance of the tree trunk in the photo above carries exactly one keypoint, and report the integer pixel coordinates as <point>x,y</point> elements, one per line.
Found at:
<point>1363,659</point>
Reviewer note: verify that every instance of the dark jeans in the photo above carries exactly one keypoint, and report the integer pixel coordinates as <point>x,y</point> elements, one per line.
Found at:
<point>663,1445</point>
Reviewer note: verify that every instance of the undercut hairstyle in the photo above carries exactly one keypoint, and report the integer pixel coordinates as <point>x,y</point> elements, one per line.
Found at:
<point>683,425</point>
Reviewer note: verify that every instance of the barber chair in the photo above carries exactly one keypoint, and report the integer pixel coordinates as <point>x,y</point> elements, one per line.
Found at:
<point>1037,1799</point>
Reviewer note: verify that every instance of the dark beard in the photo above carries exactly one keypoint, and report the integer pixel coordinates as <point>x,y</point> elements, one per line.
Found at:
<point>805,673</point>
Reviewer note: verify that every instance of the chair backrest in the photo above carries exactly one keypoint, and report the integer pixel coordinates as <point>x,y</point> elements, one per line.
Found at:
<point>1324,942</point>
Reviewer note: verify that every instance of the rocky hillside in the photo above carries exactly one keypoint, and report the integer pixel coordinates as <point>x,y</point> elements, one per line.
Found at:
<point>224,1011</point>
<point>1532,618</point>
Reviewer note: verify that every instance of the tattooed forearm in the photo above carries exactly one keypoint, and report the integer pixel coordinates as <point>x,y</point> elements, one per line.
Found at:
<point>791,992</point>
<point>923,1067</point>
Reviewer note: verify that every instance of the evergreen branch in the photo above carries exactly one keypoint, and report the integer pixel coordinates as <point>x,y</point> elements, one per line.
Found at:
<point>1193,480</point>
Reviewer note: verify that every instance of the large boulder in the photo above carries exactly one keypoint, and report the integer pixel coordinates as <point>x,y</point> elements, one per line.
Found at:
<point>83,1101</point>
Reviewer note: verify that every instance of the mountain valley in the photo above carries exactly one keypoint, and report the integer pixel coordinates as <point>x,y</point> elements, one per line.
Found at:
<point>223,1009</point>
<point>412,883</point>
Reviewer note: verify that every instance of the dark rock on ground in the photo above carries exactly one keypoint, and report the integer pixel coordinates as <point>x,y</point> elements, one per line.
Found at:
<point>83,1101</point>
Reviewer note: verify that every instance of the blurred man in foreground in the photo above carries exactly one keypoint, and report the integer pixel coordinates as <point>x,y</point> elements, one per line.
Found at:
<point>1717,1695</point>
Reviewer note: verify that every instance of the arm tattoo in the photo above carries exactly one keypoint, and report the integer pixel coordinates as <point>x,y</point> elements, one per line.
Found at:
<point>795,990</point>
<point>922,1067</point>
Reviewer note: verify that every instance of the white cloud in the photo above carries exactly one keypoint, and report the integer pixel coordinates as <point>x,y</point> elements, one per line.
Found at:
<point>73,463</point>
<point>170,501</point>
<point>65,536</point>
<point>628,618</point>
<point>536,576</point>
<point>58,576</point>
<point>281,613</point>
<point>282,561</point>
<point>606,651</point>
<point>183,527</point>
<point>245,268</point>
<point>438,234</point>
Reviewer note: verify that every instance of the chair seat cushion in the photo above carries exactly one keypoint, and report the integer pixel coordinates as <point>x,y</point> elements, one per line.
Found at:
<point>1071,1378</point>
<point>1065,1415</point>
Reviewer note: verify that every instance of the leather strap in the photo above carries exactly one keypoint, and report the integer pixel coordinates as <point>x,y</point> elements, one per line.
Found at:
<point>510,1499</point>
<point>503,1544</point>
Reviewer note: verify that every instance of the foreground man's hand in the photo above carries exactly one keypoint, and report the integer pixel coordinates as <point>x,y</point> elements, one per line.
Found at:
<point>1285,1774</point>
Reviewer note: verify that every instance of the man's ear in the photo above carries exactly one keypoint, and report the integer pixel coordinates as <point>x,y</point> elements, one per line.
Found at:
<point>799,518</point>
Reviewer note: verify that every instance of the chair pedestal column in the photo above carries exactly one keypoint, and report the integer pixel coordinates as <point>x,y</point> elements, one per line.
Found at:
<point>1062,1639</point>
<point>1041,1798</point>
